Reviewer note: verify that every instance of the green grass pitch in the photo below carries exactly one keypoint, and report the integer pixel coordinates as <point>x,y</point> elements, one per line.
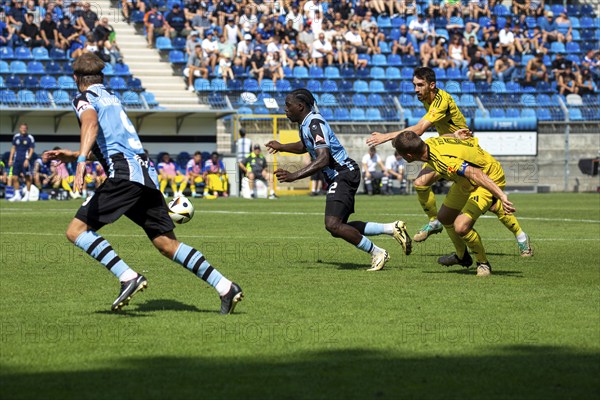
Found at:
<point>314,324</point>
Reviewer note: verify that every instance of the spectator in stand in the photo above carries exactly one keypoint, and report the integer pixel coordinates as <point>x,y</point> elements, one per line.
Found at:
<point>311,7</point>
<point>274,67</point>
<point>591,61</point>
<point>477,8</point>
<point>7,34</point>
<point>479,69</point>
<point>567,84</point>
<point>355,46</point>
<point>249,21</point>
<point>456,24</point>
<point>225,67</point>
<point>316,23</point>
<point>522,44</point>
<point>561,66</point>
<point>290,34</point>
<point>395,169</point>
<point>257,64</point>
<point>168,174</point>
<point>404,43</point>
<point>56,9</point>
<point>344,8</point>
<point>197,66</point>
<point>49,32</point>
<point>427,51</point>
<point>210,49</point>
<point>472,48</point>
<point>550,32</point>
<point>296,18</point>
<point>67,35</point>
<point>367,22</point>
<point>535,70</point>
<point>225,48</point>
<point>274,46</point>
<point>339,42</point>
<point>130,6</point>
<point>191,42</point>
<point>193,174</point>
<point>243,148</point>
<point>32,8</point>
<point>370,162</point>
<point>458,52</point>
<point>226,9</point>
<point>73,14</point>
<point>585,83</point>
<point>471,30</point>
<point>536,41</point>
<point>88,19</point>
<point>564,26</point>
<point>450,8</point>
<point>506,40</point>
<point>420,28</point>
<point>440,55</point>
<point>232,31</point>
<point>106,37</point>
<point>434,8</point>
<point>306,36</point>
<point>373,37</point>
<point>191,7</point>
<point>536,8</point>
<point>245,49</point>
<point>303,57</point>
<point>490,31</point>
<point>504,68</point>
<point>16,16</point>
<point>322,50</point>
<point>176,24</point>
<point>406,7</point>
<point>520,7</point>
<point>30,33</point>
<point>360,9</point>
<point>200,22</point>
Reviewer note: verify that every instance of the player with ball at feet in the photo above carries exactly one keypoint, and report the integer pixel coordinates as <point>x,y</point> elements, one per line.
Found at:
<point>131,189</point>
<point>342,173</point>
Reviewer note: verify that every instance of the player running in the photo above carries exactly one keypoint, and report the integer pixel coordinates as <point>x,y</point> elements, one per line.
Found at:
<point>131,189</point>
<point>445,116</point>
<point>478,182</point>
<point>343,175</point>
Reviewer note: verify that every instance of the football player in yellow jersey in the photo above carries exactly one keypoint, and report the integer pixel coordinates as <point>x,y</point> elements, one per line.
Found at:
<point>444,115</point>
<point>478,182</point>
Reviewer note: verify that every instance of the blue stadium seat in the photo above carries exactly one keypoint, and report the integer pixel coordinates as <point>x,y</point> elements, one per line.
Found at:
<point>408,100</point>
<point>500,10</point>
<point>357,114</point>
<point>108,70</point>
<point>467,100</point>
<point>178,43</point>
<point>440,73</point>
<point>513,87</point>
<point>327,113</point>
<point>467,87</point>
<point>134,84</point>
<point>513,113</point>
<point>359,100</point>
<point>316,72</point>
<point>2,84</point>
<point>497,113</point>
<point>23,53</point>
<point>148,98</point>
<point>482,87</point>
<point>296,84</point>
<point>332,72</point>
<point>347,72</point>
<point>361,86</point>
<point>375,100</point>
<point>384,47</point>
<point>528,113</point>
<point>313,85</point>
<point>543,114</point>
<point>26,98</point>
<point>176,57</point>
<point>407,87</point>
<point>481,114</point>
<point>30,82</point>
<point>283,85</point>
<point>40,53</point>
<point>121,69</point>
<point>4,68</point>
<point>18,67</point>
<point>42,98</point>
<point>48,82</point>
<point>344,100</point>
<point>66,83</point>
<point>528,100</point>
<point>328,100</point>
<point>453,87</point>
<point>329,86</point>
<point>498,87</point>
<point>13,82</point>
<point>394,60</point>
<point>163,43</point>
<point>392,73</point>
<point>219,85</point>
<point>8,98</point>
<point>251,85</point>
<point>202,85</point>
<point>261,110</point>
<point>392,86</point>
<point>376,86</point>
<point>131,99</point>
<point>377,73</point>
<point>115,83</point>
<point>543,100</point>
<point>409,60</point>
<point>341,114</point>
<point>362,73</point>
<point>397,22</point>
<point>586,22</point>
<point>407,73</point>
<point>384,22</point>
<point>575,114</point>
<point>35,67</point>
<point>373,114</point>
<point>394,34</point>
<point>345,86</point>
<point>137,17</point>
<point>61,98</point>
<point>379,60</point>
<point>367,57</point>
<point>236,85</point>
<point>443,33</point>
<point>300,72</point>
<point>58,54</point>
<point>573,47</point>
<point>6,53</point>
<point>557,47</point>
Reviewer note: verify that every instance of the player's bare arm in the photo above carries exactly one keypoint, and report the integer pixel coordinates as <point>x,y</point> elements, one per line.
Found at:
<point>377,138</point>
<point>11,156</point>
<point>316,165</point>
<point>481,179</point>
<point>274,146</point>
<point>89,133</point>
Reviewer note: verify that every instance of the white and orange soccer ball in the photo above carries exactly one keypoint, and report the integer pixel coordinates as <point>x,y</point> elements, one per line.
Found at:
<point>181,210</point>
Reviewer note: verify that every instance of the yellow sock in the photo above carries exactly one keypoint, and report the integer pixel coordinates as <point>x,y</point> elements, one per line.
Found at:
<point>173,187</point>
<point>163,185</point>
<point>193,188</point>
<point>473,240</point>
<point>65,185</point>
<point>509,221</point>
<point>459,244</point>
<point>427,200</point>
<point>183,185</point>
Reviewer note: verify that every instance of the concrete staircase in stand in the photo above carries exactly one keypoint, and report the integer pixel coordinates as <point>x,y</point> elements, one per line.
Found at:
<point>145,63</point>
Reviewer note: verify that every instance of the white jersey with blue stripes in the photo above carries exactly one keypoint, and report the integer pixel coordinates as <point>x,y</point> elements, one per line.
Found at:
<point>118,146</point>
<point>316,133</point>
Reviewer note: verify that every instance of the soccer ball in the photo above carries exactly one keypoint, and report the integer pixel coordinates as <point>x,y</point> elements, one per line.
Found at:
<point>181,210</point>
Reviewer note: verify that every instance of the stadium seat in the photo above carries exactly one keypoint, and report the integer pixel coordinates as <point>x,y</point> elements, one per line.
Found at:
<point>440,73</point>
<point>467,100</point>
<point>346,86</point>
<point>498,87</point>
<point>61,98</point>
<point>497,113</point>
<point>201,85</point>
<point>574,100</point>
<point>392,86</point>
<point>134,84</point>
<point>543,100</point>
<point>250,85</point>
<point>467,87</point>
<point>373,114</point>
<point>347,71</point>
<point>6,53</point>
<point>30,82</point>
<point>586,22</point>
<point>328,100</point>
<point>163,43</point>
<point>332,72</point>
<point>18,67</point>
<point>481,114</point>
<point>219,85</point>
<point>341,114</point>
<point>453,87</point>
<point>392,73</point>
<point>316,72</point>
<point>13,82</point>
<point>573,47</point>
<point>376,86</point>
<point>407,73</point>
<point>357,114</point>
<point>384,22</point>
<point>8,98</point>
<point>377,73</point>
<point>528,100</point>
<point>397,22</point>
<point>557,47</point>
<point>115,83</point>
<point>313,85</point>
<point>48,82</point>
<point>543,114</point>
<point>359,100</point>
<point>300,72</point>
<point>137,17</point>
<point>361,86</point>
<point>513,87</point>
<point>344,100</point>
<point>442,32</point>
<point>35,67</point>
<point>282,85</point>
<point>4,68</point>
<point>575,114</point>
<point>482,87</point>
<point>501,10</point>
<point>379,60</point>
<point>58,54</point>
<point>131,99</point>
<point>121,69</point>
<point>528,113</point>
<point>329,86</point>
<point>66,83</point>
<point>40,53</point>
<point>178,43</point>
<point>261,110</point>
<point>409,60</point>
<point>375,100</point>
<point>244,110</point>
<point>394,34</point>
<point>384,47</point>
<point>513,113</point>
<point>23,53</point>
<point>408,100</point>
<point>2,84</point>
<point>42,98</point>
<point>407,87</point>
<point>327,113</point>
<point>176,57</point>
<point>394,60</point>
<point>26,98</point>
<point>362,73</point>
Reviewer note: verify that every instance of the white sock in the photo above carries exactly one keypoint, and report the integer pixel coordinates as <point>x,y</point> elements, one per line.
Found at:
<point>128,275</point>
<point>521,237</point>
<point>376,250</point>
<point>435,223</point>
<point>388,229</point>
<point>223,286</point>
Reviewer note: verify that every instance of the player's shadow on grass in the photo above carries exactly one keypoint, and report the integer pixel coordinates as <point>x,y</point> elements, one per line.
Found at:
<point>511,372</point>
<point>472,271</point>
<point>348,266</point>
<point>168,305</point>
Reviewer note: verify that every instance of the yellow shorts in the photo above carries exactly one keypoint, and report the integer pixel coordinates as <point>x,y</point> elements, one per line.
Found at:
<point>474,204</point>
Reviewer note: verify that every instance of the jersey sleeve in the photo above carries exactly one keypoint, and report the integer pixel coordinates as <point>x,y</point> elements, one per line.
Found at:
<point>456,167</point>
<point>389,162</point>
<point>160,166</point>
<point>31,142</point>
<point>81,104</point>
<point>437,111</point>
<point>318,132</point>
<point>14,141</point>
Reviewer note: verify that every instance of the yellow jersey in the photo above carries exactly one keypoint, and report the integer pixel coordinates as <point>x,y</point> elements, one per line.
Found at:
<point>450,157</point>
<point>444,114</point>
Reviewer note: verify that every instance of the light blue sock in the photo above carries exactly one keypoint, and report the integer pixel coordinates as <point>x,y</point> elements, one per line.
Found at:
<point>99,248</point>
<point>366,245</point>
<point>373,228</point>
<point>193,260</point>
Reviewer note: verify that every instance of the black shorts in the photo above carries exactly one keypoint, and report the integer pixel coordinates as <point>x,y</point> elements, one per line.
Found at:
<point>141,204</point>
<point>317,176</point>
<point>18,168</point>
<point>340,196</point>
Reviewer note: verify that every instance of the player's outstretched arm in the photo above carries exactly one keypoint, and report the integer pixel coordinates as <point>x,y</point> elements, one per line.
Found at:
<point>316,165</point>
<point>64,155</point>
<point>89,133</point>
<point>274,146</point>
<point>481,179</point>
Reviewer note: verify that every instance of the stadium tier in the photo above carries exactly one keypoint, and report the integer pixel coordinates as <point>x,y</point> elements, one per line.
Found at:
<point>368,80</point>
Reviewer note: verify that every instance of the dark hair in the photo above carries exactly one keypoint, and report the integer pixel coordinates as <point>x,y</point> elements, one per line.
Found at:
<point>88,68</point>
<point>214,153</point>
<point>408,142</point>
<point>304,96</point>
<point>425,73</point>
<point>197,153</point>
